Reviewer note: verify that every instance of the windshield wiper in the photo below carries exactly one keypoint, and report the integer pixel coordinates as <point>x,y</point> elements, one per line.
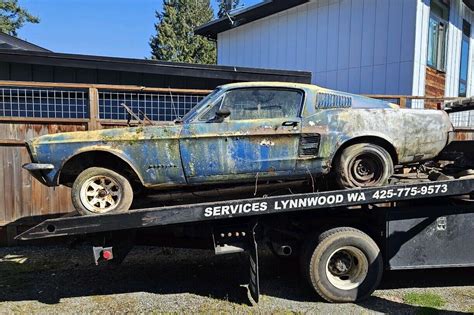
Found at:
<point>136,117</point>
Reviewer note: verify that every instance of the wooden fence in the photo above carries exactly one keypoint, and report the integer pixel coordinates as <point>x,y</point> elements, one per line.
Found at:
<point>31,109</point>
<point>25,201</point>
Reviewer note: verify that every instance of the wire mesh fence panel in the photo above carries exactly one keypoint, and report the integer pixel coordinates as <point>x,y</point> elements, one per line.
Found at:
<point>43,103</point>
<point>390,100</point>
<point>463,119</point>
<point>416,104</point>
<point>409,103</point>
<point>156,106</point>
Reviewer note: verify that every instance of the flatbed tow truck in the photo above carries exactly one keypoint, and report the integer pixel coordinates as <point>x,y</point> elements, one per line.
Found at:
<point>344,239</point>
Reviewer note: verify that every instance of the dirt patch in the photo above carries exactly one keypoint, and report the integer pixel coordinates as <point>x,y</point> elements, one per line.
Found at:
<point>152,280</point>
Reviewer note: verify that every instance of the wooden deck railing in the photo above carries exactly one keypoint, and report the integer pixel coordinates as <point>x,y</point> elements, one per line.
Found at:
<point>404,100</point>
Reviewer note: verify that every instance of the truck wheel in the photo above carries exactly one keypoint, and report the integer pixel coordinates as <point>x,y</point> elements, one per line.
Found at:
<point>99,190</point>
<point>343,265</point>
<point>363,165</point>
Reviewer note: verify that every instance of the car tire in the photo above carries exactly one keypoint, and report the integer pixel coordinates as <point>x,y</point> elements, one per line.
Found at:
<point>100,190</point>
<point>342,265</point>
<point>363,165</point>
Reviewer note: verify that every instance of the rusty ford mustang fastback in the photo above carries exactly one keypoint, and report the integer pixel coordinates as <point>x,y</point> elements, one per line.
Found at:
<point>240,132</point>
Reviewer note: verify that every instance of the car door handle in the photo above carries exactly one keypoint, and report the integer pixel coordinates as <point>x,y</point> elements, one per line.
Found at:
<point>290,124</point>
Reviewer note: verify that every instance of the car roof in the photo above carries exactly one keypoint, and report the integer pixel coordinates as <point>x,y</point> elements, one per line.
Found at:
<point>358,101</point>
<point>270,84</point>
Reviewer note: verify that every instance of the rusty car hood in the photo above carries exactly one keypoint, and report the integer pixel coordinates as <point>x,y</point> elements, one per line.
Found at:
<point>129,134</point>
<point>153,151</point>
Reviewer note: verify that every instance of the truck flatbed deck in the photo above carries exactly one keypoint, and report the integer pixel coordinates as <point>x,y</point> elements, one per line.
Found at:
<point>385,221</point>
<point>255,207</point>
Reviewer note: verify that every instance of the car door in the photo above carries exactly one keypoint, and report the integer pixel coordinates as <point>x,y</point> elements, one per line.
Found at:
<point>261,136</point>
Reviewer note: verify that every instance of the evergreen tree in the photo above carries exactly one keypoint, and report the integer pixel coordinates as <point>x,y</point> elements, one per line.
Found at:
<point>222,8</point>
<point>175,39</point>
<point>12,17</point>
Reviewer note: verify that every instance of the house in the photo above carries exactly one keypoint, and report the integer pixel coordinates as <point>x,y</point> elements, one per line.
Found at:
<point>24,61</point>
<point>394,47</point>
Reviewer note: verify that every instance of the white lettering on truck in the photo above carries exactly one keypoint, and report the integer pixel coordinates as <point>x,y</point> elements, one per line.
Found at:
<point>234,209</point>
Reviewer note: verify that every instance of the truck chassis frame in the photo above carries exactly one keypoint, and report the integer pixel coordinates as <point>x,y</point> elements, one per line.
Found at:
<point>419,225</point>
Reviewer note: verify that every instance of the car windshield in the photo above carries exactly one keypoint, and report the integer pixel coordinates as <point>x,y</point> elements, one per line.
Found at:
<point>202,105</point>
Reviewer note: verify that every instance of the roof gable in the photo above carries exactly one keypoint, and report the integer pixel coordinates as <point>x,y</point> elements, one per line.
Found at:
<point>14,43</point>
<point>246,15</point>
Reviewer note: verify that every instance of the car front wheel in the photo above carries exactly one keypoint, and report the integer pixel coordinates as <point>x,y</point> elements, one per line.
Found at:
<point>363,165</point>
<point>100,190</point>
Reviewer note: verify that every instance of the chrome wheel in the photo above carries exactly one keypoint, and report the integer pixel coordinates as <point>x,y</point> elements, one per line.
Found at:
<point>101,194</point>
<point>347,268</point>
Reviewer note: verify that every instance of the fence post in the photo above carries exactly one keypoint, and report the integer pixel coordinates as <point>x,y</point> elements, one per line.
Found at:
<point>93,123</point>
<point>403,102</point>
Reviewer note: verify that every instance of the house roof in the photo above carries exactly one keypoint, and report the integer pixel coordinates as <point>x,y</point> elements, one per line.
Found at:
<point>151,66</point>
<point>247,15</point>
<point>469,3</point>
<point>14,43</point>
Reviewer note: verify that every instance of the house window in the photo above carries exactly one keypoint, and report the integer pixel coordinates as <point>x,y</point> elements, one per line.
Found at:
<point>437,36</point>
<point>466,35</point>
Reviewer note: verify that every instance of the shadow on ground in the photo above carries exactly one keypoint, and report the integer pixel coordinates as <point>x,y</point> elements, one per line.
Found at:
<point>49,274</point>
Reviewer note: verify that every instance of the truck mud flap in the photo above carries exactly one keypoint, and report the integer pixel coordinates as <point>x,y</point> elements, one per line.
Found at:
<point>237,239</point>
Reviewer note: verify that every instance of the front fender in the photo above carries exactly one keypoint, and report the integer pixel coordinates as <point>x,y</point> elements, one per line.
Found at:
<point>156,163</point>
<point>110,150</point>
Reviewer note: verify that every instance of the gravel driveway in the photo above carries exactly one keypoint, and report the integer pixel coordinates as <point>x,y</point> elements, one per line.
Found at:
<point>53,280</point>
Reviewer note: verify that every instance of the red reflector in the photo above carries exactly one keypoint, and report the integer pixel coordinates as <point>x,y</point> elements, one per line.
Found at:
<point>107,254</point>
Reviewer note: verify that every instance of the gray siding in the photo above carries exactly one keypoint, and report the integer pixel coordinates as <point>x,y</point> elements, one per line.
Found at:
<point>421,46</point>
<point>350,45</point>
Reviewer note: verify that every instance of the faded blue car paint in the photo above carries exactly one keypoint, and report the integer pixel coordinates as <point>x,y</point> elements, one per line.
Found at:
<point>154,161</point>
<point>238,150</point>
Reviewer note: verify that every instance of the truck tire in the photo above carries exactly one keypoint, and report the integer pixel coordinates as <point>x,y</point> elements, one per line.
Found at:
<point>363,165</point>
<point>100,190</point>
<point>342,265</point>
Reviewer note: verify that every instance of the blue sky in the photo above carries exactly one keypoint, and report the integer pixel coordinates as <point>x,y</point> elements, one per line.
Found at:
<point>119,28</point>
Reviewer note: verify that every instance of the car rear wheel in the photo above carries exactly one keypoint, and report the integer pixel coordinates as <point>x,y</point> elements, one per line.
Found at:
<point>99,191</point>
<point>363,165</point>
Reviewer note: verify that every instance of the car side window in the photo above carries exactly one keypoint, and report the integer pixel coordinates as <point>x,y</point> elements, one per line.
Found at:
<point>261,103</point>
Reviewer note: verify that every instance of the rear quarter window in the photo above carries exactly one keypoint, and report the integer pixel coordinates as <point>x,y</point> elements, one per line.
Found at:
<point>331,100</point>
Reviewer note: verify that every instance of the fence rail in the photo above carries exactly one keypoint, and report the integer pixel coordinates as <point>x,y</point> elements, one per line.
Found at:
<point>97,103</point>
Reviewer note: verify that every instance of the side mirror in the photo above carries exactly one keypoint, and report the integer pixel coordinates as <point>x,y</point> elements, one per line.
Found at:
<point>220,115</point>
<point>223,113</point>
